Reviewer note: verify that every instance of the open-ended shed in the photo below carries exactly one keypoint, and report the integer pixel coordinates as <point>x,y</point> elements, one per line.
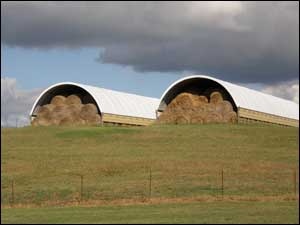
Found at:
<point>250,105</point>
<point>123,108</point>
<point>114,107</point>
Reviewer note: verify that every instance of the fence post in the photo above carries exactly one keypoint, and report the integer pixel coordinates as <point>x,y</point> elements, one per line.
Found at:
<point>150,182</point>
<point>81,188</point>
<point>12,193</point>
<point>295,181</point>
<point>222,185</point>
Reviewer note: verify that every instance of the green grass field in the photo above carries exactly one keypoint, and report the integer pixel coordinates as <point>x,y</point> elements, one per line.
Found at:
<point>235,213</point>
<point>185,160</point>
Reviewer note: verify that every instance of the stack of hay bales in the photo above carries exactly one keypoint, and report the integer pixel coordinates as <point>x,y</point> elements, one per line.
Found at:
<point>67,111</point>
<point>189,108</point>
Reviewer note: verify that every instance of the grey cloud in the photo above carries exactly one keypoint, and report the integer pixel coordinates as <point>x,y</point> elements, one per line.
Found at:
<point>288,90</point>
<point>236,41</point>
<point>16,103</point>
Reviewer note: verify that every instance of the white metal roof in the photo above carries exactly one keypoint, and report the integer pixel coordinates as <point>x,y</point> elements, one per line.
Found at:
<point>250,99</point>
<point>114,102</point>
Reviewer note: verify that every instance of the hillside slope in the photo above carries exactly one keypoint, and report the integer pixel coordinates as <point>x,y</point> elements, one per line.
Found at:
<point>186,161</point>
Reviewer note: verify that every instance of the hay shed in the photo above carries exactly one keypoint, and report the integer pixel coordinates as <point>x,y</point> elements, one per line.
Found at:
<point>114,107</point>
<point>250,105</point>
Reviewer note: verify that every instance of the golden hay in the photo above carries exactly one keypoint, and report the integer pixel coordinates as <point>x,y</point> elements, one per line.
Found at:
<point>67,112</point>
<point>89,109</point>
<point>166,118</point>
<point>192,108</point>
<point>55,121</point>
<point>58,100</point>
<point>93,120</point>
<point>230,117</point>
<point>213,117</point>
<point>80,121</point>
<point>209,108</point>
<point>72,121</point>
<point>215,97</point>
<point>172,108</point>
<point>184,100</point>
<point>34,122</point>
<point>41,122</point>
<point>223,107</point>
<point>73,99</point>
<point>60,112</point>
<point>67,121</point>
<point>172,104</point>
<point>198,101</point>
<point>45,110</point>
<point>181,119</point>
<point>203,98</point>
<point>197,119</point>
<point>74,109</point>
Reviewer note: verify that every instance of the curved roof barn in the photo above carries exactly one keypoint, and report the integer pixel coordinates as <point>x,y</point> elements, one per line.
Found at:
<point>108,102</point>
<point>244,99</point>
<point>124,108</point>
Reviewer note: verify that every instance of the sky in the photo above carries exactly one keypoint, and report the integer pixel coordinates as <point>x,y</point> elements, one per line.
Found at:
<point>143,47</point>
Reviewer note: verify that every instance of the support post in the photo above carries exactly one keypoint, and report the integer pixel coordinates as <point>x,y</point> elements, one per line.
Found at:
<point>295,181</point>
<point>81,188</point>
<point>150,183</point>
<point>222,185</point>
<point>12,193</point>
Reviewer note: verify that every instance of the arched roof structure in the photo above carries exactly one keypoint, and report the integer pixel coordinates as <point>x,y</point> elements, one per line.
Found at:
<point>107,101</point>
<point>242,97</point>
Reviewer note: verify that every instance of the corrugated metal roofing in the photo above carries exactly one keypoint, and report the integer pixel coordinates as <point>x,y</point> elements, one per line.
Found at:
<point>115,102</point>
<point>251,99</point>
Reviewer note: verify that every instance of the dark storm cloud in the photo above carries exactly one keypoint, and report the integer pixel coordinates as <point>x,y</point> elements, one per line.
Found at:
<point>236,41</point>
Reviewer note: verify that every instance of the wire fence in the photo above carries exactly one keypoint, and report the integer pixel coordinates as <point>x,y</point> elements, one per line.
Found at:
<point>76,187</point>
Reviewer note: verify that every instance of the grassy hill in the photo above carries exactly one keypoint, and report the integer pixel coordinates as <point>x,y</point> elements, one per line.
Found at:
<point>186,163</point>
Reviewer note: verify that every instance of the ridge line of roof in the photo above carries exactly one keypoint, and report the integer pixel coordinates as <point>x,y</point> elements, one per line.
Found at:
<point>121,92</point>
<point>260,92</point>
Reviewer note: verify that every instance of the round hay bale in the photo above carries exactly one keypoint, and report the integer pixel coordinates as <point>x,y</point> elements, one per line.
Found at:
<point>184,100</point>
<point>98,119</point>
<point>209,108</point>
<point>197,119</point>
<point>93,120</point>
<point>45,110</point>
<point>58,100</point>
<point>88,110</point>
<point>213,117</point>
<point>60,112</point>
<point>215,97</point>
<point>178,111</point>
<point>198,101</point>
<point>42,122</point>
<point>202,98</point>
<point>74,109</point>
<point>73,99</point>
<point>67,121</point>
<point>223,107</point>
<point>166,118</point>
<point>172,104</point>
<point>230,117</point>
<point>34,122</point>
<point>55,121</point>
<point>181,119</point>
<point>163,118</point>
<point>171,107</point>
<point>80,122</point>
